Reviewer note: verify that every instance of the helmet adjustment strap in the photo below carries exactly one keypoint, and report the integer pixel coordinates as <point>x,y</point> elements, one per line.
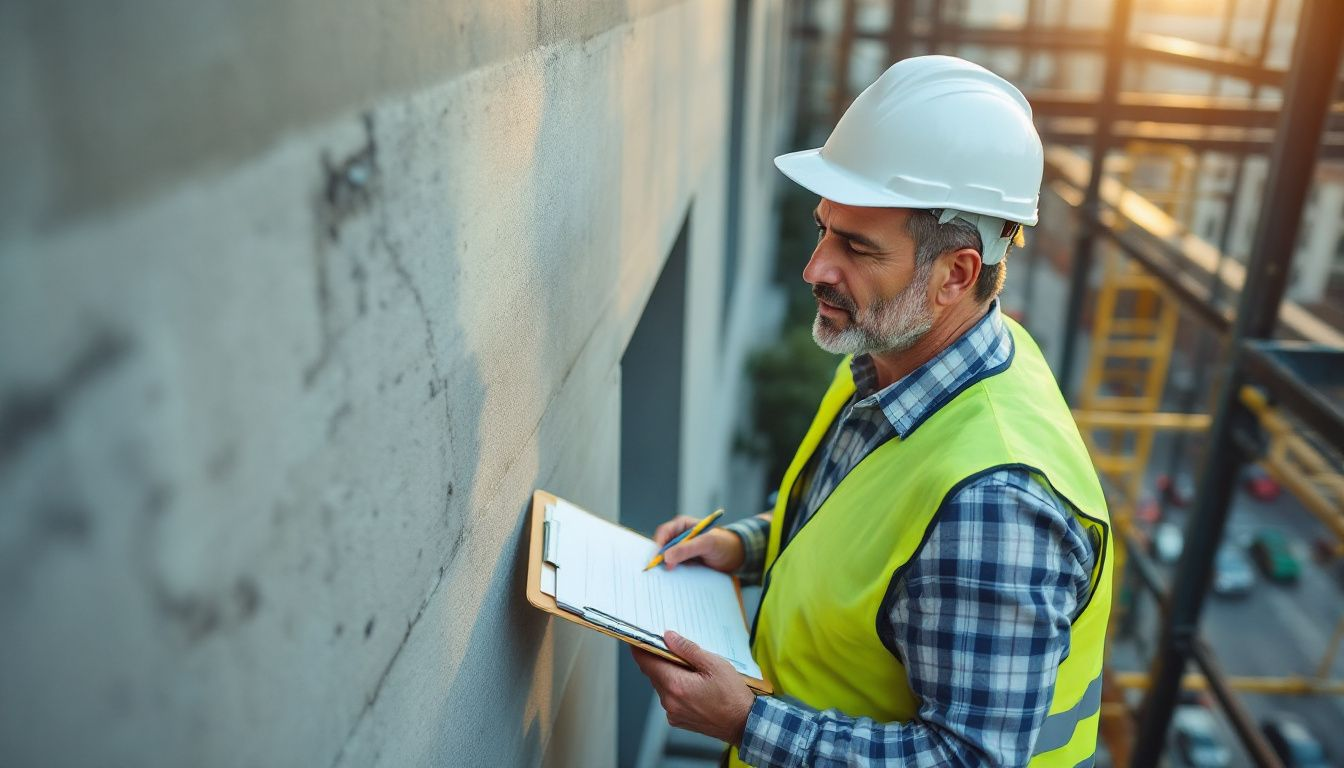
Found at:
<point>995,233</point>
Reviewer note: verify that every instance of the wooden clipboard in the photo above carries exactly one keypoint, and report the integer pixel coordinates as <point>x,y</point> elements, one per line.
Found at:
<point>547,603</point>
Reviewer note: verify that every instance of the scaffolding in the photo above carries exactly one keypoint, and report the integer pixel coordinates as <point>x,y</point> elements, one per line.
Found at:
<point>1276,403</point>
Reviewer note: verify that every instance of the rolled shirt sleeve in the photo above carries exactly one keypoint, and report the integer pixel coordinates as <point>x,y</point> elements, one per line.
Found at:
<point>754,533</point>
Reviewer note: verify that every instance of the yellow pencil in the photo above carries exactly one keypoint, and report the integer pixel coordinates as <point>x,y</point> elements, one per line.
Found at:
<point>686,535</point>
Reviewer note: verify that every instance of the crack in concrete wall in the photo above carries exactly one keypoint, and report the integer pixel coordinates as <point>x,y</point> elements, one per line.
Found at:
<point>28,411</point>
<point>371,698</point>
<point>349,189</point>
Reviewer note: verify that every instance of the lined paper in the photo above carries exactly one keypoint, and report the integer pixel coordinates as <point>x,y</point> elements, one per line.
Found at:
<point>600,571</point>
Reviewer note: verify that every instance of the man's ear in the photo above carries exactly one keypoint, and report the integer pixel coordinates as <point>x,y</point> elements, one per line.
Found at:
<point>960,270</point>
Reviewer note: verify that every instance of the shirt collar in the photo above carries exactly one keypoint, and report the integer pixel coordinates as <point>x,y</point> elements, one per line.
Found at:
<point>906,403</point>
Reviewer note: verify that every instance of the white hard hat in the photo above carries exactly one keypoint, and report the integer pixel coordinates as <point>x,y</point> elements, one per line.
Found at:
<point>933,132</point>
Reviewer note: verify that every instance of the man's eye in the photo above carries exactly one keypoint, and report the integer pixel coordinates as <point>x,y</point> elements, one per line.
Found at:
<point>821,231</point>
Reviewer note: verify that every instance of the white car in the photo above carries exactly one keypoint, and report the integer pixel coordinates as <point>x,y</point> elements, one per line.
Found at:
<point>1232,571</point>
<point>1168,541</point>
<point>1196,735</point>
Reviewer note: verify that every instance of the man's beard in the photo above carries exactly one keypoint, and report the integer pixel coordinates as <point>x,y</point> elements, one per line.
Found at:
<point>891,325</point>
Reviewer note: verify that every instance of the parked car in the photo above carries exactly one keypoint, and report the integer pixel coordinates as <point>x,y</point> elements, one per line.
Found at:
<point>1270,551</point>
<point>1293,742</point>
<point>1168,541</point>
<point>1233,573</point>
<point>1260,484</point>
<point>1197,740</point>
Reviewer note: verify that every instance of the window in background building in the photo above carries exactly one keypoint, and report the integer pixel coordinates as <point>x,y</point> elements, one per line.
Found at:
<point>651,372</point>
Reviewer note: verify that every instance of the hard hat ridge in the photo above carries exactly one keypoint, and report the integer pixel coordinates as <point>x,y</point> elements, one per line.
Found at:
<point>938,76</point>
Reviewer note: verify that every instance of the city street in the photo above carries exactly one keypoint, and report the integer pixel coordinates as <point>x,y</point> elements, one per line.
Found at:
<point>1275,630</point>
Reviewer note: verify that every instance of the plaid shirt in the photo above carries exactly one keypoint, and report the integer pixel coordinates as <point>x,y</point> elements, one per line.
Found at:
<point>1004,572</point>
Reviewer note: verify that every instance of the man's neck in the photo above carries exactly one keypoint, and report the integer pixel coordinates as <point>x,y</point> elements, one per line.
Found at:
<point>894,366</point>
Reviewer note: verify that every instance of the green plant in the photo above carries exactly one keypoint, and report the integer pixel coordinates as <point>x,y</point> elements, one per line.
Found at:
<point>789,375</point>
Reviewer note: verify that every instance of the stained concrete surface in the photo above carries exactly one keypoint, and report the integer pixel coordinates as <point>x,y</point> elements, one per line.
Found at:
<point>273,399</point>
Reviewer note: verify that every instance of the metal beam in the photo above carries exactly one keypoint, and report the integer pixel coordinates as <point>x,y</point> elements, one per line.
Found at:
<point>898,45</point>
<point>1296,374</point>
<point>843,55</point>
<point>1320,38</point>
<point>1189,109</point>
<point>1209,58</point>
<point>808,56</point>
<point>1241,720</point>
<point>1285,685</point>
<point>1121,12</point>
<point>1079,132</point>
<point>1043,38</point>
<point>1166,422</point>
<point>1054,39</point>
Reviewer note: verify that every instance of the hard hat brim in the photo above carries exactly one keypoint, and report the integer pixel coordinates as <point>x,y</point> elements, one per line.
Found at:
<point>839,185</point>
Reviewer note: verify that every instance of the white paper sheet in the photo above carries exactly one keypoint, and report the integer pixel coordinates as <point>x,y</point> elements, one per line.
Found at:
<point>600,574</point>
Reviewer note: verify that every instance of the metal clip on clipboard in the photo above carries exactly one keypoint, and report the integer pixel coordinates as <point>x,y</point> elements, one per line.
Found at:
<point>624,628</point>
<point>550,544</point>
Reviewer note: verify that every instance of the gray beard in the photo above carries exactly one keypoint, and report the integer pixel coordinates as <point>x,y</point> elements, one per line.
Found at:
<point>893,325</point>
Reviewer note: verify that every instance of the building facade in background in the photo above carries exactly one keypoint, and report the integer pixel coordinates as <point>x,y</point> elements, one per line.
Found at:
<point>299,302</point>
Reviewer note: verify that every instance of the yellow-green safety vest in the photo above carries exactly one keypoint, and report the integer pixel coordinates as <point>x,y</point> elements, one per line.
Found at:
<point>817,636</point>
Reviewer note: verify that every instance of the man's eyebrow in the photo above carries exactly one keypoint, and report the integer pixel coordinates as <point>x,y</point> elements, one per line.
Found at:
<point>851,236</point>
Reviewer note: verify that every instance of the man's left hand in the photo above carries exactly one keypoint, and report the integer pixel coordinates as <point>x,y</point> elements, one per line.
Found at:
<point>709,698</point>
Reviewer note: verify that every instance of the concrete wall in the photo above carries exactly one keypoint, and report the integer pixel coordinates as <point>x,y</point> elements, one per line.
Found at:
<point>298,303</point>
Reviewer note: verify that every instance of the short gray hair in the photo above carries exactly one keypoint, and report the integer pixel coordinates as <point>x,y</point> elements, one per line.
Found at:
<point>933,240</point>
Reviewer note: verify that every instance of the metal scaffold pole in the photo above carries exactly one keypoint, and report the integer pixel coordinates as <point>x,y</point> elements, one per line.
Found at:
<point>898,36</point>
<point>1307,94</point>
<point>1116,44</point>
<point>843,54</point>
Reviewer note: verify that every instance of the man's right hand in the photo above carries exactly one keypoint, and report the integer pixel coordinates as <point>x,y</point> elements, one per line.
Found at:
<point>719,549</point>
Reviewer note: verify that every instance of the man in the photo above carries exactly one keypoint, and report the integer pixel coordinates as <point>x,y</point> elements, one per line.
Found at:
<point>936,570</point>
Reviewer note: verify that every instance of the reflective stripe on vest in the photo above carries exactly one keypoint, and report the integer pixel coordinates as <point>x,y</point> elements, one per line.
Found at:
<point>1057,730</point>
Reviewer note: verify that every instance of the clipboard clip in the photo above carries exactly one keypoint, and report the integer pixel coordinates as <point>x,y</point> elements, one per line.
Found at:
<point>550,536</point>
<point>625,628</point>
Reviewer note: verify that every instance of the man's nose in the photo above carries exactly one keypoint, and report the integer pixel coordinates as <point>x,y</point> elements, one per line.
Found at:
<point>822,266</point>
